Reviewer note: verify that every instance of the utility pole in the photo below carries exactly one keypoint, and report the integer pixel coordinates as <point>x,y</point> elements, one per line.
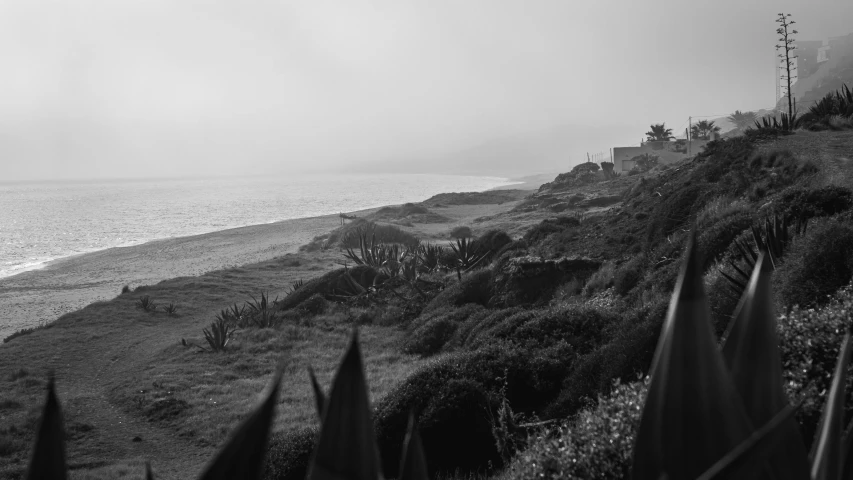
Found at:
<point>689,130</point>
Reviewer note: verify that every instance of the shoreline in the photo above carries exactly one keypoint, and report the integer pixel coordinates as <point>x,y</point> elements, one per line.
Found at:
<point>40,296</point>
<point>37,297</point>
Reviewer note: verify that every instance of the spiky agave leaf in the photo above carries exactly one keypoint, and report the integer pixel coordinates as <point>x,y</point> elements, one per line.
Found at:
<point>746,460</point>
<point>826,454</point>
<point>692,416</point>
<point>243,456</point>
<point>48,461</point>
<point>319,396</point>
<point>751,353</point>
<point>347,447</point>
<point>413,465</point>
<point>148,474</point>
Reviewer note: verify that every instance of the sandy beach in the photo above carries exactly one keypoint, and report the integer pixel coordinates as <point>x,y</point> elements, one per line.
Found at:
<point>37,297</point>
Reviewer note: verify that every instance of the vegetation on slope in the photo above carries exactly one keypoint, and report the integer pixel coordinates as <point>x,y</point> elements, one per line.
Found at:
<point>484,352</point>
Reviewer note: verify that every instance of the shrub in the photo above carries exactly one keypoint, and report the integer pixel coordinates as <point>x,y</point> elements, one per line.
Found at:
<point>803,203</point>
<point>454,397</point>
<point>315,304</point>
<point>808,341</point>
<point>125,289</point>
<point>432,331</point>
<point>549,226</point>
<point>601,280</point>
<point>817,264</point>
<point>628,275</point>
<point>474,288</point>
<point>491,242</point>
<point>597,444</point>
<point>586,167</point>
<point>716,234</point>
<point>461,232</point>
<point>627,353</point>
<point>578,326</point>
<point>673,212</point>
<point>288,455</point>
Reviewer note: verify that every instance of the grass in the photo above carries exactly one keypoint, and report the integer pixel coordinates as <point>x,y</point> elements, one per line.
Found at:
<point>447,349</point>
<point>120,360</point>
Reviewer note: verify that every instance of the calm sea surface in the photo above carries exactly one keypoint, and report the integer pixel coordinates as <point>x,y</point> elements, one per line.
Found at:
<point>48,221</point>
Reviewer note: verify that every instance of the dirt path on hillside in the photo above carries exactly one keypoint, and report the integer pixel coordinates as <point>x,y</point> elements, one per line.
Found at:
<point>86,365</point>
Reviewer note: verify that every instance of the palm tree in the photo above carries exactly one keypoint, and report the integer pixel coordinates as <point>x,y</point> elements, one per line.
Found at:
<point>742,120</point>
<point>659,133</point>
<point>703,130</point>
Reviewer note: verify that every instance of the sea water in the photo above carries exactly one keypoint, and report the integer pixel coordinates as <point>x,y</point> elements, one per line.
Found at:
<point>41,222</point>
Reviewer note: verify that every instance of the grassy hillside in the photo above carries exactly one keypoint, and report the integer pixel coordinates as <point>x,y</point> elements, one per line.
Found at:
<point>514,355</point>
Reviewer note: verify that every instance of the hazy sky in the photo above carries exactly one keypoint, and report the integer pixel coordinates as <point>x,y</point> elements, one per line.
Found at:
<point>128,88</point>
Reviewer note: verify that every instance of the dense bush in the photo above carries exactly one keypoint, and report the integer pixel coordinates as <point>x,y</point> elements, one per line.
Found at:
<point>475,287</point>
<point>550,226</point>
<point>597,444</point>
<point>628,352</point>
<point>492,241</point>
<point>431,331</point>
<point>461,232</point>
<point>716,234</point>
<point>673,212</point>
<point>288,455</point>
<point>628,275</point>
<point>456,398</point>
<point>809,341</point>
<point>601,279</point>
<point>804,203</point>
<point>817,264</point>
<point>585,167</point>
<point>580,327</point>
<point>478,322</point>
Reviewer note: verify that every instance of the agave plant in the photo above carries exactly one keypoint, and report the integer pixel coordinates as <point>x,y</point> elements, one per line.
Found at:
<point>844,99</point>
<point>773,239</point>
<point>786,123</point>
<point>218,335</point>
<point>429,257</point>
<point>468,254</point>
<point>262,312</point>
<point>712,413</point>
<point>370,252</point>
<point>146,304</point>
<point>825,107</point>
<point>296,286</point>
<point>170,309</point>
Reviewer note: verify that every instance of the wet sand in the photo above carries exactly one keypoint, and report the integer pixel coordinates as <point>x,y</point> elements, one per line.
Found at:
<point>38,297</point>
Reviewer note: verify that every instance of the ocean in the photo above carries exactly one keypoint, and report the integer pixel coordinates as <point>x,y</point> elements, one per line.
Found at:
<point>42,222</point>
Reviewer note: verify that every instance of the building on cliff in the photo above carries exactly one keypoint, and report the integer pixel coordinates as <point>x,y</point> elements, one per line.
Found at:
<point>821,67</point>
<point>667,152</point>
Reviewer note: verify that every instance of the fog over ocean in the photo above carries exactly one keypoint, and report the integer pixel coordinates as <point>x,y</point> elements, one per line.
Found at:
<point>49,221</point>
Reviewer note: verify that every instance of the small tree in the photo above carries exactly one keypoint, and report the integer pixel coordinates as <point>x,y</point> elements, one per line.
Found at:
<point>659,133</point>
<point>703,129</point>
<point>785,48</point>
